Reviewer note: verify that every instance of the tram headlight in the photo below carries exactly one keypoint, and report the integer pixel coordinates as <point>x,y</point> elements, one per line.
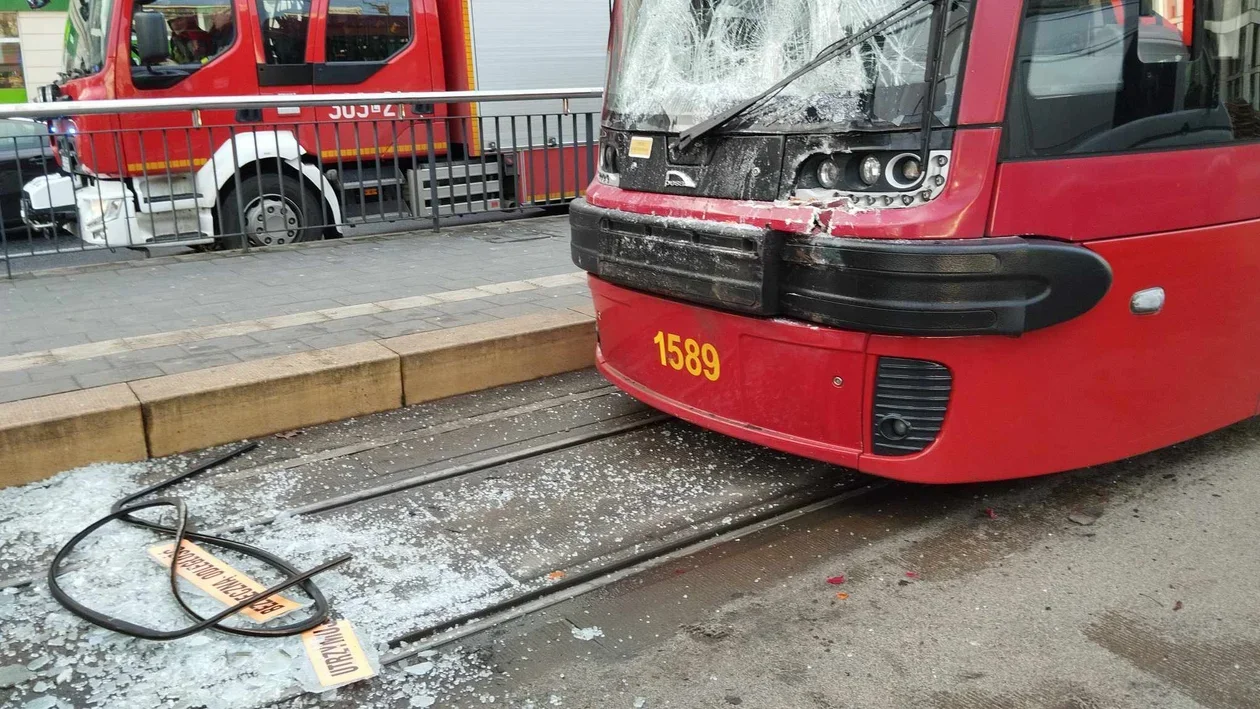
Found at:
<point>829,174</point>
<point>871,170</point>
<point>911,169</point>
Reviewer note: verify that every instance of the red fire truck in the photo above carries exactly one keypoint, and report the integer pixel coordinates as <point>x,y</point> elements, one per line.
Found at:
<point>939,241</point>
<point>289,174</point>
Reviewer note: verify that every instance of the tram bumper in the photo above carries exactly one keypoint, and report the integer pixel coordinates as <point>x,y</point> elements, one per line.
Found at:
<point>1005,286</point>
<point>847,350</point>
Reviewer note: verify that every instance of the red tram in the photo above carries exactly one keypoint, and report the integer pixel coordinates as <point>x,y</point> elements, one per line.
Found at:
<point>933,240</point>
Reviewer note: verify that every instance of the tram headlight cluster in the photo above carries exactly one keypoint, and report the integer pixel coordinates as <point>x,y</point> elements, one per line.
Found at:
<point>877,173</point>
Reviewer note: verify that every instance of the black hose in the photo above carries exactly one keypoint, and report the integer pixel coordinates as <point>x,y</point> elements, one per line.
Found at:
<point>122,509</point>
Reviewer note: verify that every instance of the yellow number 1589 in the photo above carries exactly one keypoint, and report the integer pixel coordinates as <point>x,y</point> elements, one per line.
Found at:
<point>689,355</point>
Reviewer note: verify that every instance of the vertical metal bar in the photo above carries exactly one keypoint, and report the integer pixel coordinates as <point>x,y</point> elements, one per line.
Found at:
<point>413,190</point>
<point>516,153</point>
<point>192,176</point>
<point>46,156</point>
<point>559,154</point>
<point>468,188</point>
<point>4,241</point>
<point>380,168</point>
<point>144,175</point>
<point>358,160</point>
<point>398,176</point>
<point>319,161</point>
<point>546,162</point>
<point>485,195</point>
<point>4,233</point>
<point>240,196</point>
<point>577,164</point>
<point>433,191</point>
<point>529,147</point>
<point>170,181</point>
<point>100,196</point>
<point>498,141</point>
<point>590,148</point>
<point>303,193</point>
<point>121,164</point>
<point>253,133</point>
<point>284,231</point>
<point>341,171</point>
<point>216,209</point>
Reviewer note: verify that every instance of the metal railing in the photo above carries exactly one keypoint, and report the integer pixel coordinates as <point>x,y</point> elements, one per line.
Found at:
<point>104,177</point>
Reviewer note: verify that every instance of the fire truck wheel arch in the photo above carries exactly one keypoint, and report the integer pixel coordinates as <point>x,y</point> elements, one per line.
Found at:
<point>252,152</point>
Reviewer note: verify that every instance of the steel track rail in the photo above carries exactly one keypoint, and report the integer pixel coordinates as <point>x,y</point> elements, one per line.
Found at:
<point>636,421</point>
<point>411,644</point>
<point>424,432</point>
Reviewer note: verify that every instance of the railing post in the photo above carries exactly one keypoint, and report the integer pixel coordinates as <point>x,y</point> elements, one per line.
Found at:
<point>434,204</point>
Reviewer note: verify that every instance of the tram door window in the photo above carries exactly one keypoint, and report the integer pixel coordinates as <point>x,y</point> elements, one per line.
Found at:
<point>1109,76</point>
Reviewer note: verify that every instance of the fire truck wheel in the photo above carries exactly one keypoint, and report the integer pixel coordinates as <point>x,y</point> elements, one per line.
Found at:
<point>271,210</point>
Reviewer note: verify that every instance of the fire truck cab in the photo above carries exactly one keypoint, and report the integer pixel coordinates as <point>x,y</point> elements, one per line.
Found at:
<point>290,174</point>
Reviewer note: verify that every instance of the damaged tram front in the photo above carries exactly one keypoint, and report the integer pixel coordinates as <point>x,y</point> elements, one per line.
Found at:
<point>935,240</point>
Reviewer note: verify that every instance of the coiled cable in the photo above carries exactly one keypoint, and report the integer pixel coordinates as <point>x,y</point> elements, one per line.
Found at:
<point>122,510</point>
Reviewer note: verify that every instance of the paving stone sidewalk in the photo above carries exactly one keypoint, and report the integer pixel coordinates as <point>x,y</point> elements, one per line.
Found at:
<point>91,326</point>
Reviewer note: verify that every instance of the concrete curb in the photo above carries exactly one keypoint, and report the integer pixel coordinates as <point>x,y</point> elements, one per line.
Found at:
<point>184,412</point>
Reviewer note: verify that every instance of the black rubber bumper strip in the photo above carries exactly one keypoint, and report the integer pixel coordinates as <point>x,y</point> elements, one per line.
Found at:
<point>988,286</point>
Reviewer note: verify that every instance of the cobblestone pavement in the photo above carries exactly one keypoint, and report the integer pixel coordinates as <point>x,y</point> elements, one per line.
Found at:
<point>95,325</point>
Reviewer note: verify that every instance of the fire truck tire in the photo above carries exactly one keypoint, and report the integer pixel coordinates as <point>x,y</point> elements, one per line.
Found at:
<point>271,210</point>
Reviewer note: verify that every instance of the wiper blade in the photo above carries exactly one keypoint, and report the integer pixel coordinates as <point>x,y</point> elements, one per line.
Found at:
<point>831,51</point>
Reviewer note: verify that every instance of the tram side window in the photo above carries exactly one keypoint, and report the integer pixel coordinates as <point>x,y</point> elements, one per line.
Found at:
<point>1106,76</point>
<point>285,24</point>
<point>366,31</point>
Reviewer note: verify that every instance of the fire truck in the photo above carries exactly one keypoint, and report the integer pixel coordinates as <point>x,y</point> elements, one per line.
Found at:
<point>275,175</point>
<point>933,240</point>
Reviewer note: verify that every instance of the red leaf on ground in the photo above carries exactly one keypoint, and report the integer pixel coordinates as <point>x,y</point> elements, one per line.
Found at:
<point>836,580</point>
<point>912,574</point>
<point>990,513</point>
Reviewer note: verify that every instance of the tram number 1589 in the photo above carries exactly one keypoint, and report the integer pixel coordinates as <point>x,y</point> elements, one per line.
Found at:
<point>341,113</point>
<point>687,354</point>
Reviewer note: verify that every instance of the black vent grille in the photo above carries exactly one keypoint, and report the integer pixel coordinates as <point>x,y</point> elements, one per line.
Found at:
<point>911,398</point>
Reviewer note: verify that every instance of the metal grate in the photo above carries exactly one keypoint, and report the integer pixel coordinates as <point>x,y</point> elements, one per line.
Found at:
<point>911,399</point>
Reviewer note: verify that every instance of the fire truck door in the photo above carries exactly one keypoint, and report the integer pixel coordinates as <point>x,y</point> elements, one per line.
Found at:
<point>282,32</point>
<point>375,47</point>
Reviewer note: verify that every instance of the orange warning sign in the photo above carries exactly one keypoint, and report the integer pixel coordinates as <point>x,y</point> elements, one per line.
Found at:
<point>335,653</point>
<point>222,582</point>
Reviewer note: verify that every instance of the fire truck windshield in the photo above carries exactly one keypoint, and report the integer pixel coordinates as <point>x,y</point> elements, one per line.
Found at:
<point>87,29</point>
<point>677,63</point>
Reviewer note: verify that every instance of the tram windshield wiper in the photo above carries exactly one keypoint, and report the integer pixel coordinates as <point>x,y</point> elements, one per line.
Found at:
<point>831,51</point>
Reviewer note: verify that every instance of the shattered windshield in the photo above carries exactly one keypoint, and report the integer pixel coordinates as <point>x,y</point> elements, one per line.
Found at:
<point>678,62</point>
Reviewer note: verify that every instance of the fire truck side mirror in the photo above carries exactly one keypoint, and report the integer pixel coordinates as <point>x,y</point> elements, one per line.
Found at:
<point>153,40</point>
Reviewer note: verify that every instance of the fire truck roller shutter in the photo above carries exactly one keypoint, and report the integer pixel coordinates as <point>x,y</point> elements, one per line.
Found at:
<point>265,147</point>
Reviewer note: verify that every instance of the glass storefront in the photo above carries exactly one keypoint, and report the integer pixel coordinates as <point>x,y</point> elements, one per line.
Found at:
<point>12,81</point>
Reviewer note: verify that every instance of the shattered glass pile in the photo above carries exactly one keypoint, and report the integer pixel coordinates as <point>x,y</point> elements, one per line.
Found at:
<point>686,60</point>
